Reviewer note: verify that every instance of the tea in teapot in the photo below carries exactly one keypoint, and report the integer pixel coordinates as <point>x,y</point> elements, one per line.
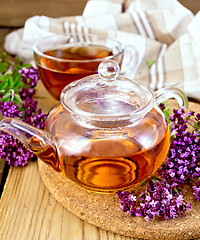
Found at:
<point>106,134</point>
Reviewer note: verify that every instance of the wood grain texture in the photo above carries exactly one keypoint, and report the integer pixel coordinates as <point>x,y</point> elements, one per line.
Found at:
<point>192,5</point>
<point>29,212</point>
<point>14,13</point>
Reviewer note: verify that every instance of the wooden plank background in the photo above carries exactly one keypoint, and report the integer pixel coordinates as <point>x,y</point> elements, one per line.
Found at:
<point>14,13</point>
<point>193,5</point>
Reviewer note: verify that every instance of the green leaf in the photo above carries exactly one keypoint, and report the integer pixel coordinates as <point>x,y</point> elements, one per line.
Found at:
<point>3,85</point>
<point>4,66</point>
<point>156,177</point>
<point>27,65</point>
<point>17,60</point>
<point>154,180</point>
<point>196,126</point>
<point>167,105</point>
<point>176,190</point>
<point>167,114</point>
<point>10,82</point>
<point>7,97</point>
<point>17,77</point>
<point>17,99</point>
<point>4,77</point>
<point>151,62</point>
<point>4,56</point>
<point>17,85</point>
<point>144,183</point>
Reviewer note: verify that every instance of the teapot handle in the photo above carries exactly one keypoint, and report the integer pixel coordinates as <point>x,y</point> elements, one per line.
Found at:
<point>169,93</point>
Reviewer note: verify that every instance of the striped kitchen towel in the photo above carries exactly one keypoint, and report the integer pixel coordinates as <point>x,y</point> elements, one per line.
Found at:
<point>164,34</point>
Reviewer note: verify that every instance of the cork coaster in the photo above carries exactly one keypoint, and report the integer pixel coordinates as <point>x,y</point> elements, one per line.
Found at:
<point>102,210</point>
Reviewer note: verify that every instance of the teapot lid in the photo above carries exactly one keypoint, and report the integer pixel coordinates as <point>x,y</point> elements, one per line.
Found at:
<point>107,95</point>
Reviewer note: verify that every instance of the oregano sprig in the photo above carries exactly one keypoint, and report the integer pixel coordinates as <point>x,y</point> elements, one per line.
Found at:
<point>17,89</point>
<point>162,196</point>
<point>10,78</point>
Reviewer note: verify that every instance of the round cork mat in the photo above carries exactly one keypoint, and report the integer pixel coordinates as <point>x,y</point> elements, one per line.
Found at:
<point>102,210</point>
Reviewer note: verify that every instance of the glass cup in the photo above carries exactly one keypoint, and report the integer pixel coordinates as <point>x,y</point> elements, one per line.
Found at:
<point>62,59</point>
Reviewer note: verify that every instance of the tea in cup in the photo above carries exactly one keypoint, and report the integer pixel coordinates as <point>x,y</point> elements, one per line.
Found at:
<point>62,59</point>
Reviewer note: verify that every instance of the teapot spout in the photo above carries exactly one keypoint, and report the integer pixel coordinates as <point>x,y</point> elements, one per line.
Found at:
<point>35,139</point>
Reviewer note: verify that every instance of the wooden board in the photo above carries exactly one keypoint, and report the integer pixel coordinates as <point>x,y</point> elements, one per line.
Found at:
<point>103,210</point>
<point>29,212</point>
<point>15,13</point>
<point>192,5</point>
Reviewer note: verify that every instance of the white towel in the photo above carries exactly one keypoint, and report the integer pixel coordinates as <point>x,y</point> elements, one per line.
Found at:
<point>163,32</point>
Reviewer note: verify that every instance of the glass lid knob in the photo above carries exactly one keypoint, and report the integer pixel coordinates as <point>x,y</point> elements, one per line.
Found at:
<point>108,70</point>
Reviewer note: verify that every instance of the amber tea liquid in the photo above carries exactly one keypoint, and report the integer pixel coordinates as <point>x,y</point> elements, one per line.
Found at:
<point>56,74</point>
<point>116,163</point>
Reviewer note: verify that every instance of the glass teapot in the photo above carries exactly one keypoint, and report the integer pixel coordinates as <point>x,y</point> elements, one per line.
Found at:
<point>106,134</point>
